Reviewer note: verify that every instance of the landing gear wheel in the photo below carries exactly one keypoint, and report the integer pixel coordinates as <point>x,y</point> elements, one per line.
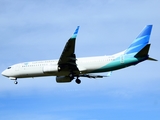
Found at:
<point>15,82</point>
<point>78,81</point>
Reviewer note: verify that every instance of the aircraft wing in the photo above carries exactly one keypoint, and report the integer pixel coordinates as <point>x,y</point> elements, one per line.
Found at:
<point>93,75</point>
<point>67,60</point>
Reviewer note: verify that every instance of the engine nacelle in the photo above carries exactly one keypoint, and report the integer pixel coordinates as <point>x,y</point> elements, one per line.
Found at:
<point>62,79</point>
<point>48,69</point>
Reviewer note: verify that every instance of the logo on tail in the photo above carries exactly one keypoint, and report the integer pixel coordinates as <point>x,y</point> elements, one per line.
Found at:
<point>141,41</point>
<point>140,47</point>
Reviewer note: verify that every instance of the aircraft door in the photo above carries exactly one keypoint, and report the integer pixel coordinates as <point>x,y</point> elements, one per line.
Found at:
<point>122,59</point>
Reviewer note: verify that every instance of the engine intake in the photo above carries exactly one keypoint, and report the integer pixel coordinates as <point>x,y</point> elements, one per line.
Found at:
<point>62,79</point>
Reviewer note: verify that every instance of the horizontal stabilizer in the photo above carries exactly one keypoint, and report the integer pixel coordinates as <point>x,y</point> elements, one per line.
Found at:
<point>152,59</point>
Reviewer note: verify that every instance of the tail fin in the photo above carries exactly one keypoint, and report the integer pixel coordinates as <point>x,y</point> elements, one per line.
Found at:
<point>141,41</point>
<point>140,47</point>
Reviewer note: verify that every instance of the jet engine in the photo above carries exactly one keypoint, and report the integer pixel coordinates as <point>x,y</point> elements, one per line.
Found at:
<point>62,79</point>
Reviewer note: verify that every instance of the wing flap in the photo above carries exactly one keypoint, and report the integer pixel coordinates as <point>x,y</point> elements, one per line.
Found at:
<point>92,75</point>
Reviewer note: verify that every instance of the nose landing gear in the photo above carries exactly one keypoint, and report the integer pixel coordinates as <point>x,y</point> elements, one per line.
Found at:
<point>15,82</point>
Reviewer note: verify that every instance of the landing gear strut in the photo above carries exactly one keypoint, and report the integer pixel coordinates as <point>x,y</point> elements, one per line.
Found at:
<point>72,76</point>
<point>15,82</point>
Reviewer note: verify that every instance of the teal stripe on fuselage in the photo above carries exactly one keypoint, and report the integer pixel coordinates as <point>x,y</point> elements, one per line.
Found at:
<point>119,63</point>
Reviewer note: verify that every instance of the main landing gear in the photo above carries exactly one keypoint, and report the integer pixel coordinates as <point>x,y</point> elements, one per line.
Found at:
<point>78,81</point>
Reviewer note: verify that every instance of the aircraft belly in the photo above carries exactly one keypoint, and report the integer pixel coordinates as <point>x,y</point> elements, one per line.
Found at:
<point>29,72</point>
<point>90,66</point>
<point>38,72</point>
<point>50,69</point>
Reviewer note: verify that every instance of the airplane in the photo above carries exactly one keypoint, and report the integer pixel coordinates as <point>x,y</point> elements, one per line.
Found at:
<point>68,67</point>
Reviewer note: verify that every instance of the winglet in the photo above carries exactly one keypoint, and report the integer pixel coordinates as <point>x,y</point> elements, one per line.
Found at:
<point>75,33</point>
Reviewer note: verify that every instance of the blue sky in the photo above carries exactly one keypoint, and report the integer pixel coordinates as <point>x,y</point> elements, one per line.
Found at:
<point>38,30</point>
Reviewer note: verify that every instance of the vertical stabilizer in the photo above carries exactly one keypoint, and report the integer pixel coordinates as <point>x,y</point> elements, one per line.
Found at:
<point>141,41</point>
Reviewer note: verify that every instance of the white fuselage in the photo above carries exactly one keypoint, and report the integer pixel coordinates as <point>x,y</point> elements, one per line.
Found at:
<point>50,67</point>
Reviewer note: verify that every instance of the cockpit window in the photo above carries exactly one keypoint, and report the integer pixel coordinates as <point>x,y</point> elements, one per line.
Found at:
<point>9,68</point>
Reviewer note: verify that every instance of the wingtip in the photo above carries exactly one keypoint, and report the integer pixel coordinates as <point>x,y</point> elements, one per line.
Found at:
<point>76,32</point>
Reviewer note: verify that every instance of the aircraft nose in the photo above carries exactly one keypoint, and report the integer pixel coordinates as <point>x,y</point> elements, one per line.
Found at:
<point>4,73</point>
